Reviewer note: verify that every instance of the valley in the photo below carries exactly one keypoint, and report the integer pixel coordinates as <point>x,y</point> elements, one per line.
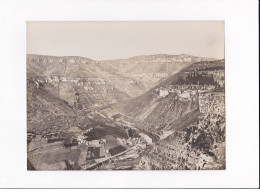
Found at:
<point>154,112</point>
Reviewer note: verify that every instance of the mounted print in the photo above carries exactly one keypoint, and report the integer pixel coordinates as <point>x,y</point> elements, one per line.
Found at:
<point>126,95</point>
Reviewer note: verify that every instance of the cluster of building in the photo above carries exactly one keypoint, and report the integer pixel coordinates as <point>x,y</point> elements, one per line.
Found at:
<point>192,91</point>
<point>95,152</point>
<point>184,92</point>
<point>135,141</point>
<point>146,138</point>
<point>178,94</point>
<point>127,142</point>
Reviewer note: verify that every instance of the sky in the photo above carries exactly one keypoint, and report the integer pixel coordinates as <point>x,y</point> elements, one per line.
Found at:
<point>121,40</point>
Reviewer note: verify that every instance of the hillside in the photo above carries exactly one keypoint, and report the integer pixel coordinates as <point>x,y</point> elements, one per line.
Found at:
<point>150,69</point>
<point>45,110</point>
<point>146,112</point>
<point>75,80</point>
<point>187,113</point>
<point>98,83</point>
<point>77,83</point>
<point>174,97</point>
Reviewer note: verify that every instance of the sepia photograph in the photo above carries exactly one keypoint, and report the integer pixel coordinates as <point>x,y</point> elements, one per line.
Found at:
<point>128,95</point>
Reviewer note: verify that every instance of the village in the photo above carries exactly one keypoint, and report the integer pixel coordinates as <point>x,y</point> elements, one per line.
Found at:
<point>193,83</point>
<point>90,147</point>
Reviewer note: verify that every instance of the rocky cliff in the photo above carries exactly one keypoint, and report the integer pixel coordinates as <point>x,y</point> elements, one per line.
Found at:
<point>172,99</point>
